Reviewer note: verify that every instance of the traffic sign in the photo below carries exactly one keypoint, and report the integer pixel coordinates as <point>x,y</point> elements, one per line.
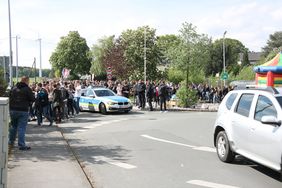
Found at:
<point>224,76</point>
<point>109,76</point>
<point>109,70</point>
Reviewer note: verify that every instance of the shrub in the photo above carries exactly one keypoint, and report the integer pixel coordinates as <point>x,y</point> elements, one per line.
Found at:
<point>187,97</point>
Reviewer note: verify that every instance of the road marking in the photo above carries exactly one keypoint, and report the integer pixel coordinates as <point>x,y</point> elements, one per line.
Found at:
<point>200,148</point>
<point>167,141</point>
<point>209,184</point>
<point>203,148</point>
<point>106,122</point>
<point>99,124</point>
<point>114,162</point>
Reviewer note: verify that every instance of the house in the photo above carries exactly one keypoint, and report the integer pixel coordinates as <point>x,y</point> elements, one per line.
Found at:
<point>254,57</point>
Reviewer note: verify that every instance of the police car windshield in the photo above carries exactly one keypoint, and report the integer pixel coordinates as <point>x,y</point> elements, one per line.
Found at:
<point>279,99</point>
<point>104,93</point>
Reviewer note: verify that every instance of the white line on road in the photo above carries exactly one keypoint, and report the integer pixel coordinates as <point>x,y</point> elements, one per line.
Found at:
<point>99,124</point>
<point>209,184</point>
<point>201,148</point>
<point>114,162</point>
<point>167,141</point>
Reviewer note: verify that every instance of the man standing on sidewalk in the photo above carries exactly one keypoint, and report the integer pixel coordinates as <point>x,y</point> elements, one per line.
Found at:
<point>20,98</point>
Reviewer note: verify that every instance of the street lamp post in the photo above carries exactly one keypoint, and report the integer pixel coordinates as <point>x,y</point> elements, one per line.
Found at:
<point>40,59</point>
<point>10,43</point>
<point>223,54</point>
<point>17,58</point>
<point>145,63</point>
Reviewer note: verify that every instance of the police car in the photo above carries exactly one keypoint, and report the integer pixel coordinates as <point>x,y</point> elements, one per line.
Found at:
<point>103,100</point>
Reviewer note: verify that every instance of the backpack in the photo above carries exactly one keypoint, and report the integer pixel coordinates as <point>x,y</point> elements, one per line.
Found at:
<point>42,98</point>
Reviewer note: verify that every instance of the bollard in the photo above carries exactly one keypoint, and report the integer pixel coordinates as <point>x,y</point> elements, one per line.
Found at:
<point>4,126</point>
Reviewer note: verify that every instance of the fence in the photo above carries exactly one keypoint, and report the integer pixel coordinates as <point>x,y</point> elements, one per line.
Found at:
<point>4,125</point>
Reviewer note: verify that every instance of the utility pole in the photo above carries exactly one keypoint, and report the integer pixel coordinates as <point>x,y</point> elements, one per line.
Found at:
<point>145,63</point>
<point>10,43</point>
<point>4,67</point>
<point>223,48</point>
<point>34,66</point>
<point>40,59</point>
<point>17,59</point>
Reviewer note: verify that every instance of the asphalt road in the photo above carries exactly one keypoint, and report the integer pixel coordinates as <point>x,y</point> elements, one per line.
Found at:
<point>158,150</point>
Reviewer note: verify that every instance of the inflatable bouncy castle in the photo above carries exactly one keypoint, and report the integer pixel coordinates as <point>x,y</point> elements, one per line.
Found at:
<point>270,73</point>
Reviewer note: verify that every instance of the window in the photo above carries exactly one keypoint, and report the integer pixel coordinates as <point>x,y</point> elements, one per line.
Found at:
<point>90,92</point>
<point>244,104</point>
<point>264,107</point>
<point>104,93</point>
<point>230,100</point>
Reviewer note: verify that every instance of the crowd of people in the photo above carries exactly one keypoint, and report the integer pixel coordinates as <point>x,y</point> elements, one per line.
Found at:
<point>57,101</point>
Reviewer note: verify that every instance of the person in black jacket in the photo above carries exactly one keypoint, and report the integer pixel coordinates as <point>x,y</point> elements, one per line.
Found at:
<point>150,94</point>
<point>20,98</point>
<point>163,93</point>
<point>141,87</point>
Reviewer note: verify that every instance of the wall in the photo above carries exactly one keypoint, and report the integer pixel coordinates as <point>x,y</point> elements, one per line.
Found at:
<point>4,125</point>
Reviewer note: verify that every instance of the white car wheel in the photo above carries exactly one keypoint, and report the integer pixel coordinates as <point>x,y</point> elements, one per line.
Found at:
<point>223,149</point>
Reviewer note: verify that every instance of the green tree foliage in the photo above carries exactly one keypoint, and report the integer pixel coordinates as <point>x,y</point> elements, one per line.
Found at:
<point>274,42</point>
<point>133,42</point>
<point>166,44</point>
<point>233,48</point>
<point>3,84</point>
<point>175,75</point>
<point>191,53</point>
<point>99,52</point>
<point>72,52</point>
<point>187,96</point>
<point>246,73</point>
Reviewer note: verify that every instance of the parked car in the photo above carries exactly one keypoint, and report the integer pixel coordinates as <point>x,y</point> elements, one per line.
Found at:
<point>103,100</point>
<point>249,123</point>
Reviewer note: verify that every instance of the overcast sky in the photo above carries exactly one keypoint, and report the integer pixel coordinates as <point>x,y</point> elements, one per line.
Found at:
<point>249,21</point>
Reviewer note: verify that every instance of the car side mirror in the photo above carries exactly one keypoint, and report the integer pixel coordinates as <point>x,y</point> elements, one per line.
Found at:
<point>82,94</point>
<point>270,120</point>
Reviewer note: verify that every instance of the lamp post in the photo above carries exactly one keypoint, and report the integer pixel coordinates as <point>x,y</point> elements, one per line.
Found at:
<point>10,43</point>
<point>145,58</point>
<point>17,58</point>
<point>223,54</point>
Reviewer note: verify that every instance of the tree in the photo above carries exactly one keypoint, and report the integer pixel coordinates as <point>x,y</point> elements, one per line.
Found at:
<point>191,53</point>
<point>72,52</point>
<point>273,43</point>
<point>121,69</point>
<point>166,44</point>
<point>233,48</point>
<point>99,52</point>
<point>133,43</point>
<point>3,84</point>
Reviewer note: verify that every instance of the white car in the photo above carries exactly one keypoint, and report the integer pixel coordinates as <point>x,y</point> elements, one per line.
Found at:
<point>249,123</point>
<point>103,100</point>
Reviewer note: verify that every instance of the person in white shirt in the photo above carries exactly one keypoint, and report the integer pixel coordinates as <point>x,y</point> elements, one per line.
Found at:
<point>77,96</point>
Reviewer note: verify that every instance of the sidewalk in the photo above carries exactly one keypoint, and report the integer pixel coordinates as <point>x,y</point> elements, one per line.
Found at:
<point>49,163</point>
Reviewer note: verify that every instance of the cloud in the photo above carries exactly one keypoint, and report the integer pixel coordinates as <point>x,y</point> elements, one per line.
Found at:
<point>249,22</point>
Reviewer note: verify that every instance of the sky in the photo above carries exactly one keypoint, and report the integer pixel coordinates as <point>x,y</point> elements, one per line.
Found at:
<point>249,21</point>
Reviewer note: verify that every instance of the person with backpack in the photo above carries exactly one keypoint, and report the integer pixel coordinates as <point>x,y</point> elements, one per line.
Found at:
<point>42,105</point>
